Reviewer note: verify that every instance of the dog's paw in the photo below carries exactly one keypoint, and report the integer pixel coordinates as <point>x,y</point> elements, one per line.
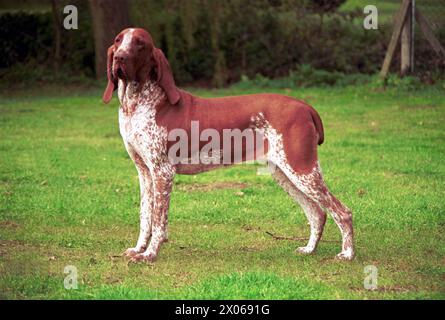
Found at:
<point>305,250</point>
<point>347,255</point>
<point>143,257</point>
<point>131,252</point>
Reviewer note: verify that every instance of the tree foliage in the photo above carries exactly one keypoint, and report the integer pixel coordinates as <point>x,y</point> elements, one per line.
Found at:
<point>325,6</point>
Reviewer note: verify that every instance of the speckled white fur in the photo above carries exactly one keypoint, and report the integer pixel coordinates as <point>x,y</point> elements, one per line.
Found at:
<point>146,143</point>
<point>313,193</point>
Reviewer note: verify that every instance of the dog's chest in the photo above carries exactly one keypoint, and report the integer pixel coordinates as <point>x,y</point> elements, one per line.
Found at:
<point>137,113</point>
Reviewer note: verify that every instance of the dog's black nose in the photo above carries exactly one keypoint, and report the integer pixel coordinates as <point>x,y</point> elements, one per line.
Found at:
<point>120,57</point>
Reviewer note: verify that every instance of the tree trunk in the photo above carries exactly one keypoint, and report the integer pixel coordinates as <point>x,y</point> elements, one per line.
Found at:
<point>57,33</point>
<point>220,70</point>
<point>109,18</point>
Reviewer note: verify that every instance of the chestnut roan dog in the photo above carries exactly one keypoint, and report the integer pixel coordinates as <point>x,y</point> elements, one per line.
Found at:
<point>152,106</point>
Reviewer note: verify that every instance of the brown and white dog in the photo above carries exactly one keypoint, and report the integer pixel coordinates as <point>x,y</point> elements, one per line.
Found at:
<point>152,106</point>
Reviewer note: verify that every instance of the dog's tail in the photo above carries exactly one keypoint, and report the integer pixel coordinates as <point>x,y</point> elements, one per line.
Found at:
<point>318,124</point>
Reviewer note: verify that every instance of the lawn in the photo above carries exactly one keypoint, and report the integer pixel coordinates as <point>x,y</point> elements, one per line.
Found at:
<point>432,9</point>
<point>69,197</point>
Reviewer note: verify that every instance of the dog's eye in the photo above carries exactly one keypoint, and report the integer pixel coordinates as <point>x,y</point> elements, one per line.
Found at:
<point>139,42</point>
<point>117,40</point>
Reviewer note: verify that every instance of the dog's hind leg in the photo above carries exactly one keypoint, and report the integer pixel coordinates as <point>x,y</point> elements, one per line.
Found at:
<point>300,146</point>
<point>313,212</point>
<point>314,187</point>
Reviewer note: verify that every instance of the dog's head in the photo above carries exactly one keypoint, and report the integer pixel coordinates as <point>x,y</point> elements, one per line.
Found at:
<point>133,57</point>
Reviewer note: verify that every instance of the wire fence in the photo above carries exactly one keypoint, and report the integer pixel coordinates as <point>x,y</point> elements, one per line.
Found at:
<point>427,61</point>
<point>434,11</point>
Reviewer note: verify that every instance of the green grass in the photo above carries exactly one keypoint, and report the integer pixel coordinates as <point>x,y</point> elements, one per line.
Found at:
<point>386,8</point>
<point>69,196</point>
<point>433,9</point>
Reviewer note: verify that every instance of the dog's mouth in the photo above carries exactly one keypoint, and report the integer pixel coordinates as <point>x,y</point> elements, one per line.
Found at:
<point>120,73</point>
<point>123,72</point>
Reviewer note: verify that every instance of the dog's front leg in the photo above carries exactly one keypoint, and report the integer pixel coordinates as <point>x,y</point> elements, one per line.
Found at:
<point>162,175</point>
<point>146,210</point>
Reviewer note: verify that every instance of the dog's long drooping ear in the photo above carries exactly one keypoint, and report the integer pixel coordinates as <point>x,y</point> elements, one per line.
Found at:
<point>165,76</point>
<point>112,82</point>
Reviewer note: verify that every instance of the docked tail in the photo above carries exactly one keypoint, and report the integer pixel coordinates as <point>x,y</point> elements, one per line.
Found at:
<point>318,125</point>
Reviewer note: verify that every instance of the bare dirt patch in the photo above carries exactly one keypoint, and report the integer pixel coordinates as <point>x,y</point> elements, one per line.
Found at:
<point>7,224</point>
<point>211,186</point>
<point>417,107</point>
<point>394,288</point>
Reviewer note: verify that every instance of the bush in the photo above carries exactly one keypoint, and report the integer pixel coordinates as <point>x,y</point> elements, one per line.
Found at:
<point>205,43</point>
<point>24,36</point>
<point>306,76</point>
<point>214,43</point>
<point>27,48</point>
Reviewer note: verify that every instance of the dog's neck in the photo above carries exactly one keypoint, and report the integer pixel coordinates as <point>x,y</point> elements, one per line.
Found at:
<point>134,95</point>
